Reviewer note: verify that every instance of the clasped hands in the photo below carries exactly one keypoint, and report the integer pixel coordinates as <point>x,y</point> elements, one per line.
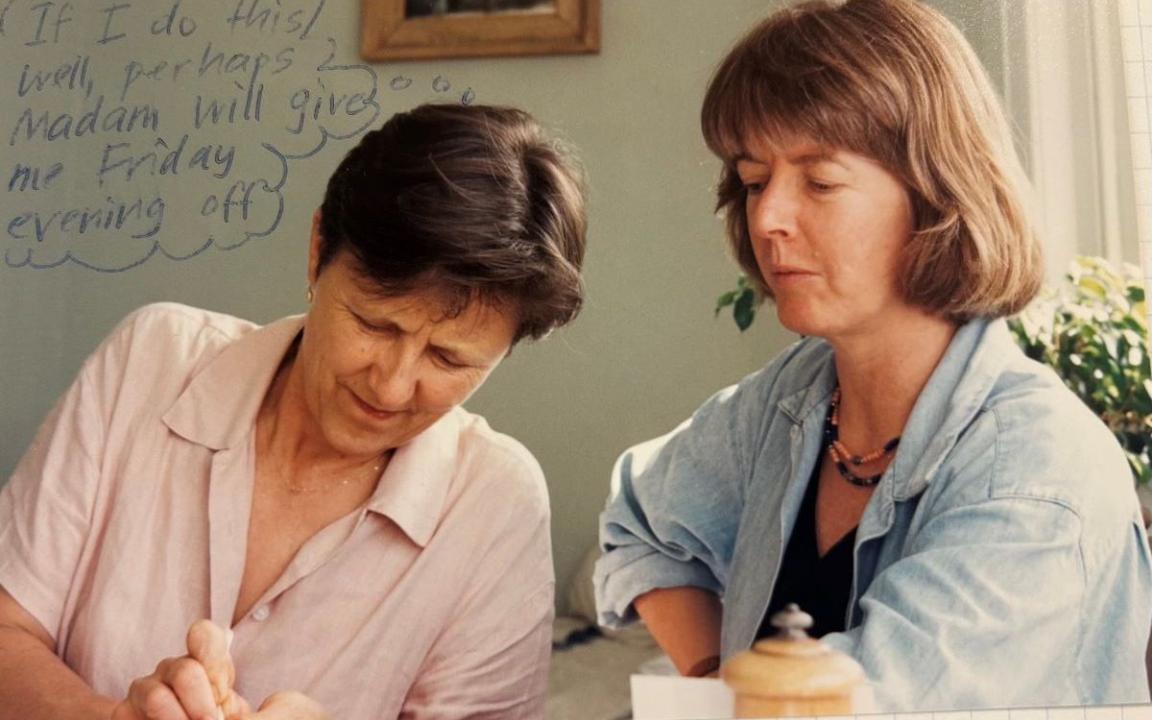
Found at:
<point>199,686</point>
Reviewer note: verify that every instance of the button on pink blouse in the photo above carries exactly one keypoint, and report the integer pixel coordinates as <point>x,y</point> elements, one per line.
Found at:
<point>127,520</point>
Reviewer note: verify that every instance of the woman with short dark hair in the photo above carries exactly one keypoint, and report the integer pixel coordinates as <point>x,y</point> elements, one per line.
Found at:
<point>312,490</point>
<point>948,512</point>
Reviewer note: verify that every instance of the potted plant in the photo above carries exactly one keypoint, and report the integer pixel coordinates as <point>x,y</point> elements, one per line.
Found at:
<point>1092,330</point>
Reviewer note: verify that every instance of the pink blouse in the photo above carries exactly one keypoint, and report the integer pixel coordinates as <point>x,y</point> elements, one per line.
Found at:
<point>127,520</point>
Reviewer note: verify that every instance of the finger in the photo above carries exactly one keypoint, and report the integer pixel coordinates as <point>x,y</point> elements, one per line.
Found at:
<point>189,682</point>
<point>153,700</point>
<point>125,711</point>
<point>208,643</point>
<point>236,707</point>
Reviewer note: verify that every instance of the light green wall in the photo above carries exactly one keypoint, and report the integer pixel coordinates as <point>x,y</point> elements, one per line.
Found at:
<point>985,24</point>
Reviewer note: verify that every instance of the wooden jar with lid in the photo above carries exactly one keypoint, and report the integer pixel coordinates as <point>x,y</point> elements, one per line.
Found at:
<point>792,674</point>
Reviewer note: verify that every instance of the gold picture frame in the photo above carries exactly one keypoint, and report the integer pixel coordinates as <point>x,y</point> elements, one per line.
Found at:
<point>392,30</point>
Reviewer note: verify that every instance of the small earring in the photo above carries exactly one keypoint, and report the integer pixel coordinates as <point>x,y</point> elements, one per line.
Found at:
<point>309,295</point>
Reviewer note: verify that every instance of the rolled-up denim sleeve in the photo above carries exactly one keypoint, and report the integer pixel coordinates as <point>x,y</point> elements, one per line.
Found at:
<point>671,518</point>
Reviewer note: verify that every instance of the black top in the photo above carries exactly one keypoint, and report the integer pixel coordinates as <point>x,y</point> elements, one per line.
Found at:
<point>819,585</point>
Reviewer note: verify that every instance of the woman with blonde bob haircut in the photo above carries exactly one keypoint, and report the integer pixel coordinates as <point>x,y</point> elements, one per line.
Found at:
<point>948,513</point>
<point>920,106</point>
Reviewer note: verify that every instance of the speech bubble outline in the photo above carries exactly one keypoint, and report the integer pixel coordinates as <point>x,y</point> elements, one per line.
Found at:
<point>324,125</point>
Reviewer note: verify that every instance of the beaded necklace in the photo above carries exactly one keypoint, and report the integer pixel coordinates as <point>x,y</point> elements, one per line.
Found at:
<point>840,453</point>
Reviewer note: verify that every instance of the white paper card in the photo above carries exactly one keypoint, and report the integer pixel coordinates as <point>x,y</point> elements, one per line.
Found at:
<point>663,697</point>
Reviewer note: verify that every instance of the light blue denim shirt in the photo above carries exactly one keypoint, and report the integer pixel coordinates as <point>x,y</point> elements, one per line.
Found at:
<point>1000,562</point>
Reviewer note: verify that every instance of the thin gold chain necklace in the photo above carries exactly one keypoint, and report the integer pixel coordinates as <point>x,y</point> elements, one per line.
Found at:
<point>296,489</point>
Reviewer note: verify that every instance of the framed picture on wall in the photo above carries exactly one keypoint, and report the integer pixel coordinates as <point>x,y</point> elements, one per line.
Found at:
<point>422,29</point>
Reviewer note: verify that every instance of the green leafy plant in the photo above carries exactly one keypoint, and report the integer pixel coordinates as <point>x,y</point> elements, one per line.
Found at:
<point>743,302</point>
<point>1092,330</point>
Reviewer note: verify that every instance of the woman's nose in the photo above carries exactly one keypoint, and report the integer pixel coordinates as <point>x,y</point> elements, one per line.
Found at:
<point>395,377</point>
<point>771,213</point>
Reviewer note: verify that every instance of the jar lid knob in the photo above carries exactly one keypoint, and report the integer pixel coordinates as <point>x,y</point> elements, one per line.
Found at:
<point>791,623</point>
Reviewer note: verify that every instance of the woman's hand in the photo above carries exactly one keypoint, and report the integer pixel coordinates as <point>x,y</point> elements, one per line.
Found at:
<point>289,706</point>
<point>196,686</point>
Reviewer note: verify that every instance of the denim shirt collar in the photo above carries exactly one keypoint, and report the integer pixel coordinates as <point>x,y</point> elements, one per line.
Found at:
<point>953,395</point>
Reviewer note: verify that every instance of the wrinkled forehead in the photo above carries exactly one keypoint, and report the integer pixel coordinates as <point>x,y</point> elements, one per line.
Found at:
<point>443,297</point>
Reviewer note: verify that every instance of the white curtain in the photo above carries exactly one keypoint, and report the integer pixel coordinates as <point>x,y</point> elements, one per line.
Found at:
<point>1135,21</point>
<point>1065,85</point>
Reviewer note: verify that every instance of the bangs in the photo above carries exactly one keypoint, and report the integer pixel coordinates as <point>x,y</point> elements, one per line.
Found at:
<point>795,78</point>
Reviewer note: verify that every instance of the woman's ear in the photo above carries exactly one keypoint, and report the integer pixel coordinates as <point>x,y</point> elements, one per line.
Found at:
<point>314,249</point>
